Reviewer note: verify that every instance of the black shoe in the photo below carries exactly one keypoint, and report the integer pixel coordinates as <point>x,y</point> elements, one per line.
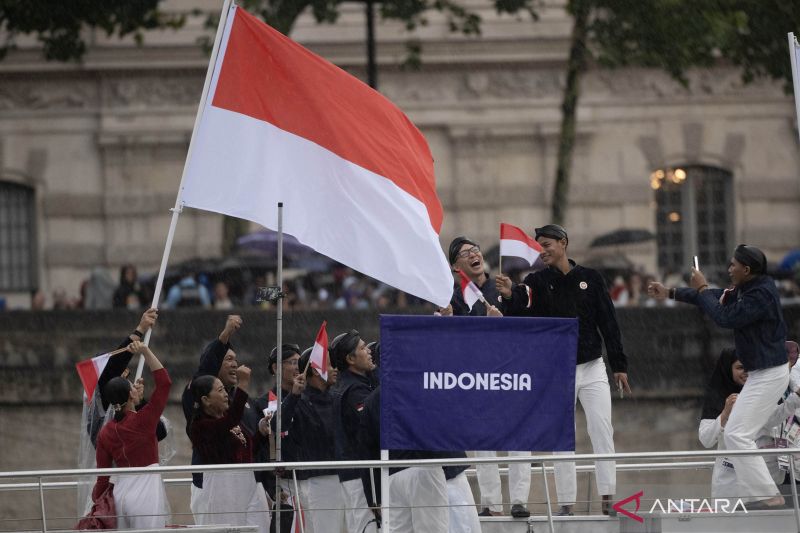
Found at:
<point>606,507</point>
<point>486,512</point>
<point>760,505</point>
<point>519,511</point>
<point>565,510</point>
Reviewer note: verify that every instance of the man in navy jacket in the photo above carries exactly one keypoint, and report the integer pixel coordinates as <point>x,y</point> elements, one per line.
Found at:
<point>752,309</point>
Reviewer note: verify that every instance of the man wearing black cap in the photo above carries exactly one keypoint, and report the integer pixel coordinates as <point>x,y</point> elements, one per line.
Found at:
<point>350,355</point>
<point>465,255</point>
<point>308,436</point>
<point>752,309</point>
<point>290,381</point>
<point>566,289</point>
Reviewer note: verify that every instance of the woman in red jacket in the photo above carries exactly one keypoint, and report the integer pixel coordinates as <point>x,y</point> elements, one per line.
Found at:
<point>129,439</point>
<point>232,498</point>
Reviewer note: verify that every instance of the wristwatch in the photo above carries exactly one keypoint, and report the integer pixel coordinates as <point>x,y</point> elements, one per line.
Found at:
<point>138,334</point>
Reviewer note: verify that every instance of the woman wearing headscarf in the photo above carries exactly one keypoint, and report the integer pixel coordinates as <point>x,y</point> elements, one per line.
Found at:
<point>129,440</point>
<point>752,309</point>
<point>219,437</point>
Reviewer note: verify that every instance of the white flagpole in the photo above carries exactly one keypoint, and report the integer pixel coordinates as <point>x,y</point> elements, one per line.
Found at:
<point>176,211</point>
<point>795,78</point>
<point>385,501</point>
<point>279,369</point>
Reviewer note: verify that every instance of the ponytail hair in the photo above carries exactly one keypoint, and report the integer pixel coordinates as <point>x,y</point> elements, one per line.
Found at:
<point>117,391</point>
<point>200,386</point>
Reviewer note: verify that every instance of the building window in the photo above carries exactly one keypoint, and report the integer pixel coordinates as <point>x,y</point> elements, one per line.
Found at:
<point>17,243</point>
<point>694,217</point>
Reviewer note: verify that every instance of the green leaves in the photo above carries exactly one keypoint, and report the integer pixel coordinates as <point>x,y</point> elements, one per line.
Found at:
<point>59,24</point>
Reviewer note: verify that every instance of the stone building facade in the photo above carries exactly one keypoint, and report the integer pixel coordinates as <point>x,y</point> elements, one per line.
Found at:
<point>91,155</point>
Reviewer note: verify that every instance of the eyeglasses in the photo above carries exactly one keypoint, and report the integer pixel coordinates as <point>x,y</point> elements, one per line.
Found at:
<point>291,362</point>
<point>466,253</point>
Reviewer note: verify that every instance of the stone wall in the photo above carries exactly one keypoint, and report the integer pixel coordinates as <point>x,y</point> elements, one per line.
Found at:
<point>670,350</point>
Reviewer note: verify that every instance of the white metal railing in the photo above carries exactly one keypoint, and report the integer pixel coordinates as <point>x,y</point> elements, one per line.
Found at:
<point>40,475</point>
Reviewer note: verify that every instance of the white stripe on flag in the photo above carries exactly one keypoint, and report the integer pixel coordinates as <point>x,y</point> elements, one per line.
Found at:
<point>515,248</point>
<point>341,210</point>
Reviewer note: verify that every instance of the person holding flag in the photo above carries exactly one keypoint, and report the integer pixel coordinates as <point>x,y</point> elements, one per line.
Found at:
<point>129,440</point>
<point>95,373</point>
<point>473,295</point>
<point>264,407</point>
<point>308,436</point>
<point>566,289</point>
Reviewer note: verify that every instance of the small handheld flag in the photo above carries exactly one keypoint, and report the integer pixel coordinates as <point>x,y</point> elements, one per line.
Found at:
<point>319,354</point>
<point>515,242</point>
<point>470,291</point>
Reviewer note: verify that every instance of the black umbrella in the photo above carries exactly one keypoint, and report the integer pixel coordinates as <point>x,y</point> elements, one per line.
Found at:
<point>623,236</point>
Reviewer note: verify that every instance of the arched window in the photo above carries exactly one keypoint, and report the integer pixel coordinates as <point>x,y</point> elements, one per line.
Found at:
<point>694,216</point>
<point>17,242</point>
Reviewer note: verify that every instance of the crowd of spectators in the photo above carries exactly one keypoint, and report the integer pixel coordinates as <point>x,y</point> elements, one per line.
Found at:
<point>339,288</point>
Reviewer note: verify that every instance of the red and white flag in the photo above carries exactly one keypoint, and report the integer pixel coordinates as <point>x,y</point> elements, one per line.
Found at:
<point>355,176</point>
<point>272,404</point>
<point>319,353</point>
<point>89,371</point>
<point>515,242</point>
<point>470,291</point>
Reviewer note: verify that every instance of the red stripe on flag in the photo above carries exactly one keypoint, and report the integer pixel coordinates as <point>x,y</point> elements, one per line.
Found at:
<point>269,77</point>
<point>88,374</point>
<point>507,231</point>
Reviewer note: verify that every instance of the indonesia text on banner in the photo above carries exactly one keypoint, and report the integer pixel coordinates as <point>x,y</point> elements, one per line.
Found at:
<point>354,174</point>
<point>478,383</point>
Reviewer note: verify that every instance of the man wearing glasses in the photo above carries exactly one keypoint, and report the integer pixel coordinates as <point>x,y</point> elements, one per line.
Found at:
<point>465,255</point>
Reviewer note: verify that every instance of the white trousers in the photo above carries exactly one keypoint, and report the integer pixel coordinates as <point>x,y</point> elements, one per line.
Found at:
<point>755,404</point>
<point>323,504</point>
<point>418,501</point>
<point>357,514</point>
<point>463,515</point>
<point>140,501</point>
<point>519,482</point>
<point>592,389</point>
<point>232,498</point>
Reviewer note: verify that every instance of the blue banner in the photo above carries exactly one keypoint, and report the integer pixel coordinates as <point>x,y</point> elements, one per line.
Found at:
<point>478,383</point>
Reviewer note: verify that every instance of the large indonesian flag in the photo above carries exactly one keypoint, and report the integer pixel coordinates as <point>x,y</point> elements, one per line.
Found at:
<point>89,371</point>
<point>281,124</point>
<point>319,353</point>
<point>515,242</point>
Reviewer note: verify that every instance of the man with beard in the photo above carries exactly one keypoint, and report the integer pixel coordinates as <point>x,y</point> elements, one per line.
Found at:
<point>566,289</point>
<point>465,255</point>
<point>752,309</point>
<point>350,355</point>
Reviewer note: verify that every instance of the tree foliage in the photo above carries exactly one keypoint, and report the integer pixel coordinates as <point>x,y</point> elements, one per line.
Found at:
<point>671,35</point>
<point>61,25</point>
<point>674,36</point>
